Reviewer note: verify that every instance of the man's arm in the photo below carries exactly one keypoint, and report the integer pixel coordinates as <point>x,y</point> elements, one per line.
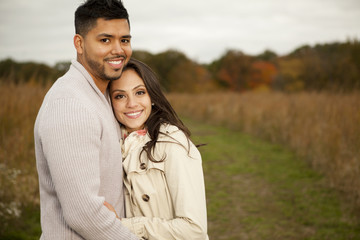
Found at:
<point>71,139</point>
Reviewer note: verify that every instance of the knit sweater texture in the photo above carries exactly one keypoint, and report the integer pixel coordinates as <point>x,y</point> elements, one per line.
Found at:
<point>79,161</point>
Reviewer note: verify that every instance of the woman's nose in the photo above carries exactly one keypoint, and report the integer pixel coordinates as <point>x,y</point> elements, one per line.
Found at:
<point>131,102</point>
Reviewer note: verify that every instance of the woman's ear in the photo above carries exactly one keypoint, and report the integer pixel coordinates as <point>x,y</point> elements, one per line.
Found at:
<point>79,43</point>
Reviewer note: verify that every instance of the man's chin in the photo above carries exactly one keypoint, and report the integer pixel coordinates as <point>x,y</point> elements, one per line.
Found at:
<point>114,76</point>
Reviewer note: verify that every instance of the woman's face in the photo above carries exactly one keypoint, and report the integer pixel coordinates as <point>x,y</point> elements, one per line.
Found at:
<point>131,101</point>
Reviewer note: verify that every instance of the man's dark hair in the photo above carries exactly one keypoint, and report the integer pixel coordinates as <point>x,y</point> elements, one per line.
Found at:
<point>87,14</point>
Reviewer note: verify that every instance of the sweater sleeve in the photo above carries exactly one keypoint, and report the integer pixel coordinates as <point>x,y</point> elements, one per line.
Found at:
<point>185,180</point>
<point>71,139</point>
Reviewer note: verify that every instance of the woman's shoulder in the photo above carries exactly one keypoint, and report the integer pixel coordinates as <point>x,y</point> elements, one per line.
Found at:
<point>176,144</point>
<point>171,133</point>
<point>168,128</point>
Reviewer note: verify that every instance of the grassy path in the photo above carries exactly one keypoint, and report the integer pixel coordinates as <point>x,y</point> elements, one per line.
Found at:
<point>257,190</point>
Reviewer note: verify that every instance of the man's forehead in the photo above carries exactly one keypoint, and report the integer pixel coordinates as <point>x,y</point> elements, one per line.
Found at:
<point>111,27</point>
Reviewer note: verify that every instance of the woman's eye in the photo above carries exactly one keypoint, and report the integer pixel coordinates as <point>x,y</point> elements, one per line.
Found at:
<point>140,92</point>
<point>119,96</point>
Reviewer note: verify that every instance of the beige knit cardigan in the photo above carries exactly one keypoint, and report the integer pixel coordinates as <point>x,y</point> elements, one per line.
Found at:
<point>79,161</point>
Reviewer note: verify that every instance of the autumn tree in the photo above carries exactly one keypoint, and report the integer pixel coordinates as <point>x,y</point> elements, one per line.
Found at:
<point>267,56</point>
<point>11,71</point>
<point>332,66</point>
<point>232,70</point>
<point>176,72</point>
<point>162,64</point>
<point>262,75</point>
<point>189,76</point>
<point>289,77</point>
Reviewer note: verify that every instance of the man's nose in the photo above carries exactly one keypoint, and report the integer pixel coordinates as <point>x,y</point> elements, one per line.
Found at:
<point>117,48</point>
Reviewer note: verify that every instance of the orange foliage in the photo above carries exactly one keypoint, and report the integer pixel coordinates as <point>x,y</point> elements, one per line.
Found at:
<point>190,77</point>
<point>233,70</point>
<point>262,74</point>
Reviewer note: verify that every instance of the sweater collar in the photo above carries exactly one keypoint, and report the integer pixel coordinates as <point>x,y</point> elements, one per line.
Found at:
<point>90,80</point>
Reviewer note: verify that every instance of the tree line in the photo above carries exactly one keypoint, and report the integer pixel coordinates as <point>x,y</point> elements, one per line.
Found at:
<point>330,66</point>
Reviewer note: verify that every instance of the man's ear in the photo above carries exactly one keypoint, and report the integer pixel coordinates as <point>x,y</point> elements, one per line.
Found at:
<point>79,43</point>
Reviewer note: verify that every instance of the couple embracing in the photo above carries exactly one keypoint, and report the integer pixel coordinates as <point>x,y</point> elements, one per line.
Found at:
<point>114,160</point>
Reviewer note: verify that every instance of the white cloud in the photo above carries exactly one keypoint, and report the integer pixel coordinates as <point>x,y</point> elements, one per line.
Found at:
<point>42,30</point>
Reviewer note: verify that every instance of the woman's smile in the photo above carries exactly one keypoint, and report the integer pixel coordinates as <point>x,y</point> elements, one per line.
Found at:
<point>134,114</point>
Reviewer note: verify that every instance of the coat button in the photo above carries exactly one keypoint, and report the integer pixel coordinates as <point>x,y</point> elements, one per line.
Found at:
<point>145,197</point>
<point>142,166</point>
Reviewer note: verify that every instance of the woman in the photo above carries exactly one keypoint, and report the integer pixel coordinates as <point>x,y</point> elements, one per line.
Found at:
<point>163,176</point>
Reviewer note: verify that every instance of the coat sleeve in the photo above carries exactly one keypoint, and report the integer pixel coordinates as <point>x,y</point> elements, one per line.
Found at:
<point>71,139</point>
<point>184,174</point>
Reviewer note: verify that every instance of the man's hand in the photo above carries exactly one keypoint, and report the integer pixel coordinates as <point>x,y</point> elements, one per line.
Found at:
<point>111,208</point>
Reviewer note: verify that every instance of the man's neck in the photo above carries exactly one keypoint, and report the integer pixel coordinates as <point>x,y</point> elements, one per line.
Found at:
<point>101,84</point>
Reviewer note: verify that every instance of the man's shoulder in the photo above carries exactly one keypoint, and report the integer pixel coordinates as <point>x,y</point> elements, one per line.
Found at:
<point>69,93</point>
<point>72,84</point>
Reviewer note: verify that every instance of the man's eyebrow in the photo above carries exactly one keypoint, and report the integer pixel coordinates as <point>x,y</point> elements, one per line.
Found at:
<point>105,35</point>
<point>110,36</point>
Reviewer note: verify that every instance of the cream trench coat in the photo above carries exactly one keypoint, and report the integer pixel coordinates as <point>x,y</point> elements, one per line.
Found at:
<point>164,200</point>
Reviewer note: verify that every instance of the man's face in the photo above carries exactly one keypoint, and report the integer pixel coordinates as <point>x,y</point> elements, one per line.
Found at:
<point>105,49</point>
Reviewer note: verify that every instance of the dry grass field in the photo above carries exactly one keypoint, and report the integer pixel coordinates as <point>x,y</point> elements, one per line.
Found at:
<point>322,128</point>
<point>18,177</point>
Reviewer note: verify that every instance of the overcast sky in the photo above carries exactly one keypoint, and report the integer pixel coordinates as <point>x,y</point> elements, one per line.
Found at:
<point>42,30</point>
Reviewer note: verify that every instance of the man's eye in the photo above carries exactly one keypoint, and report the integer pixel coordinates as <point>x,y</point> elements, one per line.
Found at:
<point>105,40</point>
<point>125,40</point>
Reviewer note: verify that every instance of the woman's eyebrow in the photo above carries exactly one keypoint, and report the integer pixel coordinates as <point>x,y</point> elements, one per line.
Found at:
<point>121,90</point>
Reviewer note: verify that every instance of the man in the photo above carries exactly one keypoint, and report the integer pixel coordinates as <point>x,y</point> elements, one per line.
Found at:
<point>76,135</point>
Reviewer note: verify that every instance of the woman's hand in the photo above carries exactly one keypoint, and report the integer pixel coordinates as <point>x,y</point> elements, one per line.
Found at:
<point>111,208</point>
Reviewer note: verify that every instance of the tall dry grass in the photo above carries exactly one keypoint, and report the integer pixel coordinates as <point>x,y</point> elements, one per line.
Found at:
<point>323,128</point>
<point>18,176</point>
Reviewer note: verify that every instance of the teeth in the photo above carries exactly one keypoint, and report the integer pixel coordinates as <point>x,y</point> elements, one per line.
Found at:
<point>115,62</point>
<point>133,114</point>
